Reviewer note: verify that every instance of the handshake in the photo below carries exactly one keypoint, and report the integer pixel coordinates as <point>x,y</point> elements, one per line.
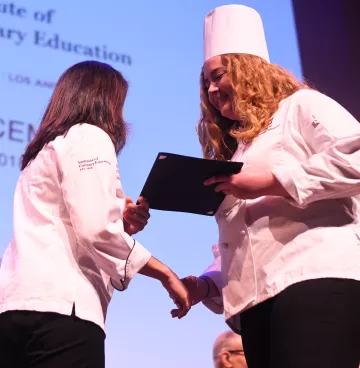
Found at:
<point>185,292</point>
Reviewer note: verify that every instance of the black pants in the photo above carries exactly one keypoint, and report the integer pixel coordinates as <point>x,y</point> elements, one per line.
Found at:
<point>51,340</point>
<point>312,324</point>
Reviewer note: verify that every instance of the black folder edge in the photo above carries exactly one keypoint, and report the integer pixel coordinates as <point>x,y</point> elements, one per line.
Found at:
<point>173,154</point>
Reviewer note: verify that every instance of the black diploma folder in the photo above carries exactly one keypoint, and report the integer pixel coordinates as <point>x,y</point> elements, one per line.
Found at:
<point>176,183</point>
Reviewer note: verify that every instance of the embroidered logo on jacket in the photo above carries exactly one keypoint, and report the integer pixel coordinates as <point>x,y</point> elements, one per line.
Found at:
<point>90,164</point>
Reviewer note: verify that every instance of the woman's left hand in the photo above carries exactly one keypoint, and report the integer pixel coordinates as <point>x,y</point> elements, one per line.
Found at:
<point>136,216</point>
<point>248,184</point>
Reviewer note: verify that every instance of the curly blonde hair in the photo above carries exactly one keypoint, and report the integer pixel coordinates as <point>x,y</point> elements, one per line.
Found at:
<point>258,88</point>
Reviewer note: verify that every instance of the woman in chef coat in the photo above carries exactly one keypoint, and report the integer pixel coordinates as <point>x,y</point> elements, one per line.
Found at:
<point>71,247</point>
<point>287,263</point>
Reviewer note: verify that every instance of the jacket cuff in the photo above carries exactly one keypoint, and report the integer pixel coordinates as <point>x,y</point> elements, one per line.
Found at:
<point>137,259</point>
<point>215,304</point>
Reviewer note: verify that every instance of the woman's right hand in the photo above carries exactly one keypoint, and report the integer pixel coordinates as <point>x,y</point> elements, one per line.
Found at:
<point>178,293</point>
<point>198,288</point>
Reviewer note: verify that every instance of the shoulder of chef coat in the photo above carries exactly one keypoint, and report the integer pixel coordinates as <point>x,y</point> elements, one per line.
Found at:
<point>320,119</point>
<point>331,136</point>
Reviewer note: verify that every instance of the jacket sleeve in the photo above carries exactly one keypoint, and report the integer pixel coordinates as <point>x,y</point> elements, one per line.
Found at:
<point>331,137</point>
<point>90,184</point>
<point>213,272</point>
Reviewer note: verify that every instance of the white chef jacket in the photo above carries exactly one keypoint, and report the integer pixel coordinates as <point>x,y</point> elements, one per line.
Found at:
<point>267,244</point>
<point>69,245</point>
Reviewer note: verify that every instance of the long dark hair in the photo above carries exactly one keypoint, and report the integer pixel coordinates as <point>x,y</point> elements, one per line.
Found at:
<point>88,92</point>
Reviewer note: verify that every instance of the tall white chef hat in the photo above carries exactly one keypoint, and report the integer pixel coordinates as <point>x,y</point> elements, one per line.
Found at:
<point>234,29</point>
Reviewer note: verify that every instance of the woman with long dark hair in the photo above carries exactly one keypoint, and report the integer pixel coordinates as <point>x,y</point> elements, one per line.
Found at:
<point>71,246</point>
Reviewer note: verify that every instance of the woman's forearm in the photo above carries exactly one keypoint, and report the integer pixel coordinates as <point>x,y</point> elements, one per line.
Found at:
<point>156,270</point>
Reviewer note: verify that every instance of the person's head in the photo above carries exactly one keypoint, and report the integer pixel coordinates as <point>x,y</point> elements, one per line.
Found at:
<point>228,351</point>
<point>240,88</point>
<point>88,92</point>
